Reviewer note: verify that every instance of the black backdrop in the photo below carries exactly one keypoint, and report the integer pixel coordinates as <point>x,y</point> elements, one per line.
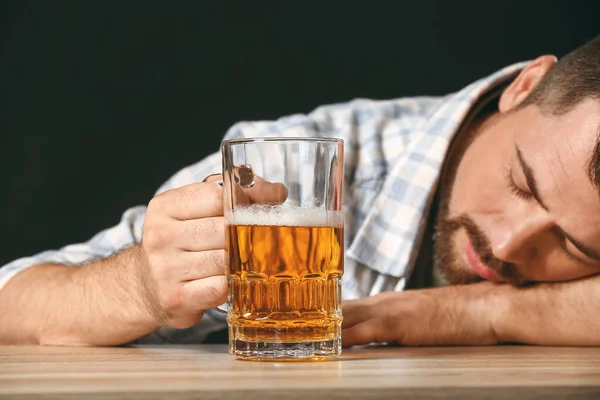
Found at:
<point>101,101</point>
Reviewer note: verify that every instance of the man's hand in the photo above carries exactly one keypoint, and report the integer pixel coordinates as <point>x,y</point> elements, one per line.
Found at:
<point>441,316</point>
<point>550,314</point>
<point>169,279</point>
<point>183,245</point>
<point>182,242</point>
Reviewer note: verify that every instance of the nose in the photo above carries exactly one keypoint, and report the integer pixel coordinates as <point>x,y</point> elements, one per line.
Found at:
<point>515,238</point>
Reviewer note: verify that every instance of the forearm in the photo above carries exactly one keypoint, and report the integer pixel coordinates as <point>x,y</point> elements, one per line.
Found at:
<point>99,304</point>
<point>561,314</point>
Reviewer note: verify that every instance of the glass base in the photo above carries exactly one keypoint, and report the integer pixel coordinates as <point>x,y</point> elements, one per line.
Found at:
<point>285,351</point>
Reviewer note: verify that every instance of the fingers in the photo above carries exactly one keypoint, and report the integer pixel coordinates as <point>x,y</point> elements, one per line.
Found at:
<point>202,294</point>
<point>356,311</point>
<point>191,235</point>
<point>373,319</point>
<point>199,265</point>
<point>184,266</point>
<point>197,200</point>
<point>265,192</point>
<point>369,331</point>
<point>262,192</point>
<point>200,234</point>
<point>205,199</point>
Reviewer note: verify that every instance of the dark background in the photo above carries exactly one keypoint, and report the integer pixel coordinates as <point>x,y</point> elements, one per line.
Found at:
<point>102,101</point>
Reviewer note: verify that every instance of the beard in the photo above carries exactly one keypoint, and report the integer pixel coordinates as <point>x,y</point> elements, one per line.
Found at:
<point>450,264</point>
<point>445,258</point>
<point>446,252</point>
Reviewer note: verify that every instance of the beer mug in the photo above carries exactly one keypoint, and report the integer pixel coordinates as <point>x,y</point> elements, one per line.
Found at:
<point>283,201</point>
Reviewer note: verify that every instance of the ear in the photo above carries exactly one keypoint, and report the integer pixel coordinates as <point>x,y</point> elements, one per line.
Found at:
<point>525,82</point>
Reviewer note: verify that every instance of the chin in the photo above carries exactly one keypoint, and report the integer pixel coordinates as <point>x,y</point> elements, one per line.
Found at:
<point>451,259</point>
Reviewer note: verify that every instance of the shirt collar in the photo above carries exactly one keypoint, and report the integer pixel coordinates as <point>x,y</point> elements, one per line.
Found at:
<point>389,239</point>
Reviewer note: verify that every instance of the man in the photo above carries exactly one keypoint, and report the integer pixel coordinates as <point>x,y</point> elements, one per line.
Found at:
<point>506,172</point>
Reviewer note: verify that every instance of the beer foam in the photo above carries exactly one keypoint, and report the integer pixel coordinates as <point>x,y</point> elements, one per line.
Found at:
<point>284,215</point>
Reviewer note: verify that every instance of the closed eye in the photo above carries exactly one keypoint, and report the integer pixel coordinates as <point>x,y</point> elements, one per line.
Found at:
<point>565,250</point>
<point>525,195</point>
<point>517,191</point>
<point>533,192</point>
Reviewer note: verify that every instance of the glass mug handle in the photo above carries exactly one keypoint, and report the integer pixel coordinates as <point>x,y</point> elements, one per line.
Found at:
<point>245,178</point>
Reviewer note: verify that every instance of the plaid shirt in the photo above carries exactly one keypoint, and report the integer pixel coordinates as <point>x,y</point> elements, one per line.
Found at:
<point>394,152</point>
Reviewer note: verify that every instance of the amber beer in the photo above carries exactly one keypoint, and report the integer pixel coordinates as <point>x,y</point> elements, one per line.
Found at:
<point>284,270</point>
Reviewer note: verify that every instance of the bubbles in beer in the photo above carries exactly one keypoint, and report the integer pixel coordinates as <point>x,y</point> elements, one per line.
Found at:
<point>284,215</point>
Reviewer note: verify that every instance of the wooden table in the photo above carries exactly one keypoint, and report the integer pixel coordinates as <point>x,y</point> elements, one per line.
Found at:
<point>208,372</point>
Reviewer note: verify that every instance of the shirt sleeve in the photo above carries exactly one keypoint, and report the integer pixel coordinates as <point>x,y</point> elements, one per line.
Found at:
<point>102,245</point>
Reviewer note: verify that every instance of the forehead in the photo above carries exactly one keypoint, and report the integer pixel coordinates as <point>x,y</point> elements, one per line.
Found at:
<point>559,148</point>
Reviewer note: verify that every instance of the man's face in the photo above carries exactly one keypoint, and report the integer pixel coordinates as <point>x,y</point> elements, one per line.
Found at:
<point>520,206</point>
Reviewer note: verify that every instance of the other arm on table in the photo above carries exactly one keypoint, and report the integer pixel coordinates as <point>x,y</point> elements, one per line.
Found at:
<point>562,314</point>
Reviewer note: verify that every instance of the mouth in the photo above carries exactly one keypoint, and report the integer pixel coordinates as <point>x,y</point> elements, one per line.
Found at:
<point>479,267</point>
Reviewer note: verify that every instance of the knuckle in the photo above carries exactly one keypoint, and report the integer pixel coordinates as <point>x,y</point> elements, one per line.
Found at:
<point>211,296</point>
<point>171,300</point>
<point>154,239</point>
<point>214,294</point>
<point>158,201</point>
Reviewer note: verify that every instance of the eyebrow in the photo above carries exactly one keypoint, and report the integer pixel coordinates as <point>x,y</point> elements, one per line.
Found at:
<point>533,187</point>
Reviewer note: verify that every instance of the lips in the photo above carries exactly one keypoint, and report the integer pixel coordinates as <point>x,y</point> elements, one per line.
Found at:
<point>479,267</point>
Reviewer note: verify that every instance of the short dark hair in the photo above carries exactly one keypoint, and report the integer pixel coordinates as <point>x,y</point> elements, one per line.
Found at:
<point>574,78</point>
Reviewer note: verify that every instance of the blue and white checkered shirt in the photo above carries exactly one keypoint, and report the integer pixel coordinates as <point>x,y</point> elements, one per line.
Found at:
<point>394,152</point>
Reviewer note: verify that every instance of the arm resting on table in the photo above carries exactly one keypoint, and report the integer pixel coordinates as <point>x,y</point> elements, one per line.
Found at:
<point>562,314</point>
<point>99,304</point>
